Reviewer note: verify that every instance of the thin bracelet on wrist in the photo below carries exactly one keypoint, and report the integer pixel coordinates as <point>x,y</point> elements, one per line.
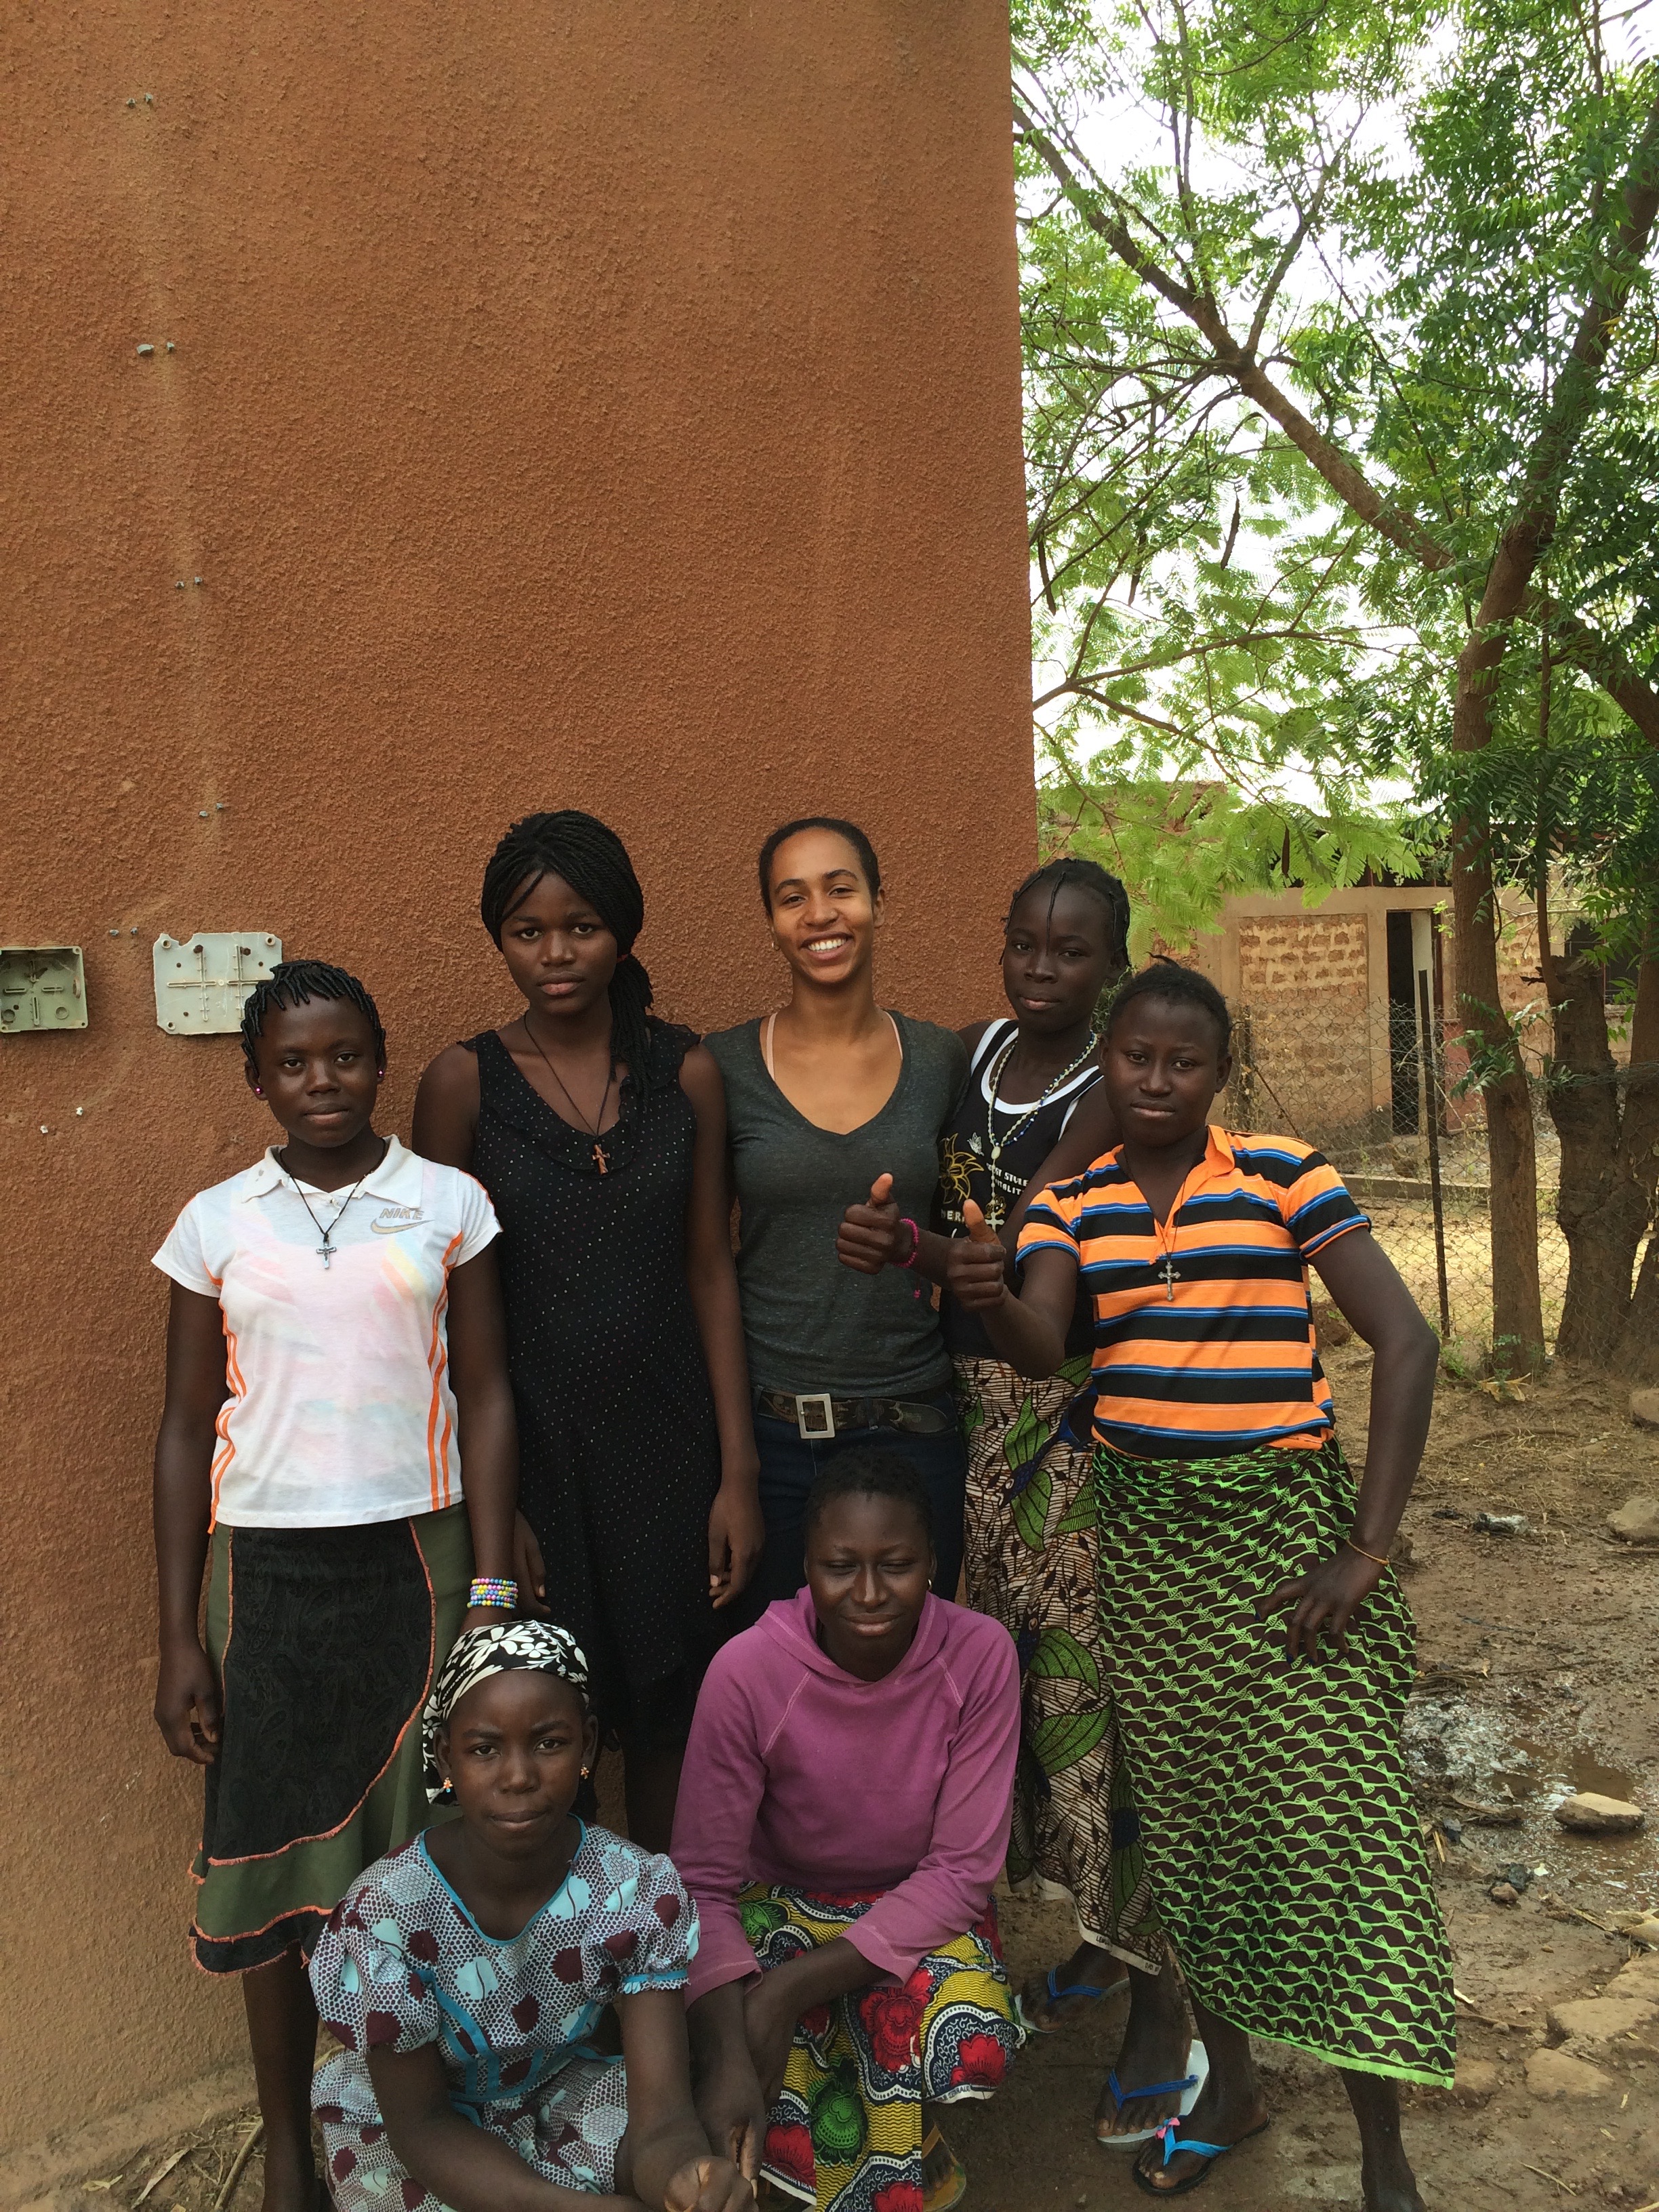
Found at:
<point>492,1593</point>
<point>905,1222</point>
<point>1363,1552</point>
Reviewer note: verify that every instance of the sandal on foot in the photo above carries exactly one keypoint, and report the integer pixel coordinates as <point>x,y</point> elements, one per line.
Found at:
<point>1208,2152</point>
<point>1198,2068</point>
<point>949,2183</point>
<point>1057,1996</point>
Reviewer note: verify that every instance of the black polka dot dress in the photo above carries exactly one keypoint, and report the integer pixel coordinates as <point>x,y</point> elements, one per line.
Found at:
<point>618,1453</point>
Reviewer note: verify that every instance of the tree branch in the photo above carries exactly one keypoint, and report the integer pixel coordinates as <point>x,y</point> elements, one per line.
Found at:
<point>1350,486</point>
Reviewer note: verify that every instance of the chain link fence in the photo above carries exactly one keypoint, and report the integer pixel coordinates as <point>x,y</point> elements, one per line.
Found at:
<point>1382,1092</point>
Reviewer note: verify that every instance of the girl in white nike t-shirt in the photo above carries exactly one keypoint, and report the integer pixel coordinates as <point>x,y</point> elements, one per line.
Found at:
<point>337,1449</point>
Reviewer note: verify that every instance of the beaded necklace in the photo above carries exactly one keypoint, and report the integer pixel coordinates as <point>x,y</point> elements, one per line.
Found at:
<point>995,1146</point>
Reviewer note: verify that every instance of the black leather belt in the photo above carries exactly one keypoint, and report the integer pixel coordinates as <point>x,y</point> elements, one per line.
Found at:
<point>818,1417</point>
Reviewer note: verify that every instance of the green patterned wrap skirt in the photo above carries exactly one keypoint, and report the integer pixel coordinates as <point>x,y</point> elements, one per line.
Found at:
<point>1032,1537</point>
<point>1277,1818</point>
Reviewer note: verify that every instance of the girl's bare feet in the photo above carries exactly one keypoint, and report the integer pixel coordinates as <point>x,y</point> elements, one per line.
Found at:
<point>1156,2041</point>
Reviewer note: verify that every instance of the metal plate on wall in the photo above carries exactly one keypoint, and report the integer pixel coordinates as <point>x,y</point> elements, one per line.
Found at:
<point>42,986</point>
<point>202,982</point>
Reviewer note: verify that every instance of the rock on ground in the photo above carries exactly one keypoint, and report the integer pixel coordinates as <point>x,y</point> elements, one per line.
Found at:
<point>1598,2020</point>
<point>1644,1408</point>
<point>1556,2074</point>
<point>1638,1519</point>
<point>1589,1814</point>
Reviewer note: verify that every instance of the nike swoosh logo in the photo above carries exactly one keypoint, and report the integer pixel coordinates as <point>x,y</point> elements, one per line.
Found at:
<point>392,1227</point>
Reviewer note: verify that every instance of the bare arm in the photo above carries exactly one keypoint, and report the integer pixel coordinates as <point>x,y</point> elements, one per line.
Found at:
<point>1027,1327</point>
<point>666,2152</point>
<point>186,1695</point>
<point>486,1425</point>
<point>741,2034</point>
<point>1362,1281</point>
<point>445,1121</point>
<point>460,2164</point>
<point>735,1531</point>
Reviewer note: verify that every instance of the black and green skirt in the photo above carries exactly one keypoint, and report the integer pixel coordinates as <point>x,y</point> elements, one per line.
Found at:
<point>325,1641</point>
<point>1276,1816</point>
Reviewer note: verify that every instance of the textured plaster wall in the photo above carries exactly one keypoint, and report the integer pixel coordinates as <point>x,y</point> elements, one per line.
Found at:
<point>600,403</point>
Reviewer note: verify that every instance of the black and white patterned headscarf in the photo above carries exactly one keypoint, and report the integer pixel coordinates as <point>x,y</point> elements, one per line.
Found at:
<point>502,1647</point>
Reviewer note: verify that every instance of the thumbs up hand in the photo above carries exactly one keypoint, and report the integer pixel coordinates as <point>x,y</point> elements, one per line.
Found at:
<point>975,1267</point>
<point>872,1236</point>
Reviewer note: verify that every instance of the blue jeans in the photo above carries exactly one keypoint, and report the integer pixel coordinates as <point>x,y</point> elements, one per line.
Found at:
<point>788,1463</point>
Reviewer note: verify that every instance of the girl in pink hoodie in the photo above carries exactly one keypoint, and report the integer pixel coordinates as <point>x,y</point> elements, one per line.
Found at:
<point>843,1815</point>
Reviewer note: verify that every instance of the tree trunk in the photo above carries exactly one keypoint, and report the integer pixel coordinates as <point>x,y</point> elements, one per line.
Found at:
<point>1517,1311</point>
<point>1603,1205</point>
<point>1636,1354</point>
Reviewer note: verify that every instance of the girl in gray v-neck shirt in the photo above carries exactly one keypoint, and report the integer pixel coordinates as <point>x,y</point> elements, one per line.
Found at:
<point>810,1324</point>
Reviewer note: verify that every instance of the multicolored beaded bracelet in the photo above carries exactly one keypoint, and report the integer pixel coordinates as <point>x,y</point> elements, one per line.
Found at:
<point>494,1591</point>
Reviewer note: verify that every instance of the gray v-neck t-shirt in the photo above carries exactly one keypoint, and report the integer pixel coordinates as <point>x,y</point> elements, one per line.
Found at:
<point>810,1324</point>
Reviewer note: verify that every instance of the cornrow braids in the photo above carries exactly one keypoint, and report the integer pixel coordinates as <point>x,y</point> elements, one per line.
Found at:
<point>850,830</point>
<point>296,983</point>
<point>1086,875</point>
<point>1178,986</point>
<point>593,860</point>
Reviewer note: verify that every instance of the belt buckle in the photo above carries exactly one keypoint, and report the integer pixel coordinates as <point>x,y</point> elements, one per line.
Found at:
<point>815,1418</point>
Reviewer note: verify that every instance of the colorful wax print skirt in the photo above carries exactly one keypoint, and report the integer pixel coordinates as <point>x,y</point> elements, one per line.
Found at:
<point>1279,1832</point>
<point>1031,1541</point>
<point>325,1641</point>
<point>846,2134</point>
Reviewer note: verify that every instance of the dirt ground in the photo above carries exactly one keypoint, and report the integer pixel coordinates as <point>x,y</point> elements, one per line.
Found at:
<point>1539,1672</point>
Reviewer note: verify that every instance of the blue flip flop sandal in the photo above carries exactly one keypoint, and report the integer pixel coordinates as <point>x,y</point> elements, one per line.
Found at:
<point>1198,2068</point>
<point>1091,1989</point>
<point>1208,2152</point>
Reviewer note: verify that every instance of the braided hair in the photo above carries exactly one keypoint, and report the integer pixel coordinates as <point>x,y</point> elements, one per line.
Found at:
<point>593,860</point>
<point>1086,875</point>
<point>1177,986</point>
<point>296,983</point>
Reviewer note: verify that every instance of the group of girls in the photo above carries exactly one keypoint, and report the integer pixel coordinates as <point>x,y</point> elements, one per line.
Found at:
<point>492,1453</point>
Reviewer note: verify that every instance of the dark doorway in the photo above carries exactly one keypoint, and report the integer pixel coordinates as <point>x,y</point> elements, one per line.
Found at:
<point>1402,1027</point>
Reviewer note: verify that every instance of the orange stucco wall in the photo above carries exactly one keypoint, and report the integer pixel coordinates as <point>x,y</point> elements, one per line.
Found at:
<point>600,403</point>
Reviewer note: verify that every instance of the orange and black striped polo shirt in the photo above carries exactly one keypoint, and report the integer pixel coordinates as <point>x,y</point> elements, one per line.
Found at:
<point>1204,1341</point>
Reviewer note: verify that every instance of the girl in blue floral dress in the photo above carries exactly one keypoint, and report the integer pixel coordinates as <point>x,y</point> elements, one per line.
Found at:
<point>464,1976</point>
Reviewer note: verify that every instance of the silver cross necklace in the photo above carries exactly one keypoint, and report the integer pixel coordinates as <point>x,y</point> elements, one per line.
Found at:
<point>327,1249</point>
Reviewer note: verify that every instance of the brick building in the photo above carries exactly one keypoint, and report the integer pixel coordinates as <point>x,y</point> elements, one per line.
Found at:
<point>1328,999</point>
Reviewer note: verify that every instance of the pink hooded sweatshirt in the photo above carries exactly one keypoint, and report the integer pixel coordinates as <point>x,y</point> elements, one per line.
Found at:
<point>798,1773</point>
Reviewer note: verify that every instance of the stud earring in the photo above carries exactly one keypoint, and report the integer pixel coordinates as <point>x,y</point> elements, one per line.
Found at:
<point>587,1771</point>
<point>259,1091</point>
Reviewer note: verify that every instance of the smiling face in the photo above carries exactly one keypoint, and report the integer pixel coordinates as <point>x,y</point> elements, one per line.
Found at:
<point>514,1750</point>
<point>822,911</point>
<point>558,951</point>
<point>318,1070</point>
<point>1163,1066</point>
<point>869,1564</point>
<point>1059,953</point>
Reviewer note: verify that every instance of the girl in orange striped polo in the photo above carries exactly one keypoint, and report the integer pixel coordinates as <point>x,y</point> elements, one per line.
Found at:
<point>1280,1837</point>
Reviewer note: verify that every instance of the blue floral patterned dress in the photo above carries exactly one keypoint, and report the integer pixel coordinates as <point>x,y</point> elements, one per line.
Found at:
<point>402,1963</point>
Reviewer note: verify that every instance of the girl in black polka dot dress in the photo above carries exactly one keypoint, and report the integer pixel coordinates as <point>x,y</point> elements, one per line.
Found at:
<point>599,1133</point>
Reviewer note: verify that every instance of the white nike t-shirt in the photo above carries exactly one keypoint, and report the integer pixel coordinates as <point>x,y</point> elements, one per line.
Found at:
<point>340,1410</point>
